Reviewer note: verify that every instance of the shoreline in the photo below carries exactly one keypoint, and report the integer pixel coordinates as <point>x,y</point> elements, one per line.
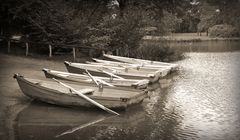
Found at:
<point>187,37</point>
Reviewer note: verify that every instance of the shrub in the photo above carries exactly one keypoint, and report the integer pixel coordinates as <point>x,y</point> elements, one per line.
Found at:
<point>157,52</point>
<point>223,31</point>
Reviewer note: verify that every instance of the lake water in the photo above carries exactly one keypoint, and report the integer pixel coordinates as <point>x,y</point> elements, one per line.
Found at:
<point>201,102</point>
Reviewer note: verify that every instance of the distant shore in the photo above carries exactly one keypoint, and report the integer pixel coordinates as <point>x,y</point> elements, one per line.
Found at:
<point>187,37</point>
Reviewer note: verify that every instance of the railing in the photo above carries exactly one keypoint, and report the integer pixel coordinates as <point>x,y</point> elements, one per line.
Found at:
<point>50,48</point>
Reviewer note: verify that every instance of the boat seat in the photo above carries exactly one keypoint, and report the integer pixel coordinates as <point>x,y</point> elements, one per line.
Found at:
<point>85,91</point>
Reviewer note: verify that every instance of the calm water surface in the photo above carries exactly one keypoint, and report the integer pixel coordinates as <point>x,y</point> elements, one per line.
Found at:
<point>201,102</point>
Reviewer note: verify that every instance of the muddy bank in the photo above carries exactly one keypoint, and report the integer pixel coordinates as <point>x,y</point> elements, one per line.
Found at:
<point>11,98</point>
<point>30,67</point>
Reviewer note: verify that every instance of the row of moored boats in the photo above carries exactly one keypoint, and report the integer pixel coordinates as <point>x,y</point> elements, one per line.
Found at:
<point>107,84</point>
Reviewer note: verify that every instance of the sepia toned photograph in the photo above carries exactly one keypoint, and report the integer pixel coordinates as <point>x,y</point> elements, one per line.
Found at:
<point>119,69</point>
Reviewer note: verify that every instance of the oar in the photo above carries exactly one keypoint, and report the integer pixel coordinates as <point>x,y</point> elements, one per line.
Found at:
<point>94,80</point>
<point>87,98</point>
<point>106,83</point>
<point>111,74</point>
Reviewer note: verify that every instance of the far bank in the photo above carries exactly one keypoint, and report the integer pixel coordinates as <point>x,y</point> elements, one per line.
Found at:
<point>193,42</point>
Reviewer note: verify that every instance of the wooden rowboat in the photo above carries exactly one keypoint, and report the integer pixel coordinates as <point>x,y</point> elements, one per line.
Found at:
<point>148,69</point>
<point>130,65</point>
<point>104,70</point>
<point>54,93</point>
<point>81,78</point>
<point>142,62</point>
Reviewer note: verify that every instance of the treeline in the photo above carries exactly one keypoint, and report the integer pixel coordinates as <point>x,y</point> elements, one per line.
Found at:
<point>106,24</point>
<point>111,24</point>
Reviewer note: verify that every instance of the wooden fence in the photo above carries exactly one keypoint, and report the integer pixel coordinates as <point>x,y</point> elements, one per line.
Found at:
<point>50,47</point>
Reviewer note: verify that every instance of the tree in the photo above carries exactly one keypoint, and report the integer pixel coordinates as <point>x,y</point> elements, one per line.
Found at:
<point>215,12</point>
<point>55,21</point>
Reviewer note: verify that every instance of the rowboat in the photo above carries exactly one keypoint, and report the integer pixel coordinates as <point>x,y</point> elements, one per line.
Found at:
<point>81,78</point>
<point>142,62</point>
<point>54,93</point>
<point>106,70</point>
<point>129,65</point>
<point>148,69</point>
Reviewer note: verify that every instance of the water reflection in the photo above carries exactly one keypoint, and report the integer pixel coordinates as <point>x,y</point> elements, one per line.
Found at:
<point>43,121</point>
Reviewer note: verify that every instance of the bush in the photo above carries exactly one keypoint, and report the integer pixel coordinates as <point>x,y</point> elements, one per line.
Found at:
<point>223,31</point>
<point>157,52</point>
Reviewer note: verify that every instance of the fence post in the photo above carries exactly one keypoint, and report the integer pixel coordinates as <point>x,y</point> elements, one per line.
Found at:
<point>26,49</point>
<point>117,52</point>
<point>9,45</point>
<point>50,50</point>
<point>74,54</point>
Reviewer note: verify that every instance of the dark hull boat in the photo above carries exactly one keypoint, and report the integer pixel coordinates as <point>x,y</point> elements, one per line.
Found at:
<point>103,70</point>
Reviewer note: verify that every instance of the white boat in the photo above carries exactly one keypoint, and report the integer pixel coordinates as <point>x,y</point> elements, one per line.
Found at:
<point>141,62</point>
<point>139,67</point>
<point>109,81</point>
<point>54,93</point>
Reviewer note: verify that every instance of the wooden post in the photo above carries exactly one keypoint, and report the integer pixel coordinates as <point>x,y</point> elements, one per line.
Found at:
<point>74,54</point>
<point>9,45</point>
<point>26,49</point>
<point>103,52</point>
<point>50,50</point>
<point>117,52</point>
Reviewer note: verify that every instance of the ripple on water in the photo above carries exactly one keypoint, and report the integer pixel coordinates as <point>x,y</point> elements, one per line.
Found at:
<point>207,95</point>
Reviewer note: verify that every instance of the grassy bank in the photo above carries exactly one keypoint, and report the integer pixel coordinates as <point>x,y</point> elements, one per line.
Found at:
<point>155,51</point>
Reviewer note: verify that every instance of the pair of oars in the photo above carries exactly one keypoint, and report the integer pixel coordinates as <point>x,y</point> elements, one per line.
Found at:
<point>96,80</point>
<point>86,97</point>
